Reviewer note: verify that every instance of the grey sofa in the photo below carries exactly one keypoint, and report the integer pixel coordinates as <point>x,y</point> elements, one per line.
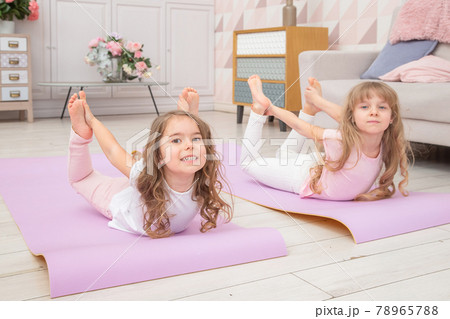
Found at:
<point>425,107</point>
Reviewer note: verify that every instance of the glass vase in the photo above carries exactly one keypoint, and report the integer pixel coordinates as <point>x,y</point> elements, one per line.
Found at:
<point>116,70</point>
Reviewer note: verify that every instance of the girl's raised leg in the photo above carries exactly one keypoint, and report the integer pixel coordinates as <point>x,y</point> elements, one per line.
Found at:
<point>96,188</point>
<point>269,171</point>
<point>295,142</point>
<point>80,164</point>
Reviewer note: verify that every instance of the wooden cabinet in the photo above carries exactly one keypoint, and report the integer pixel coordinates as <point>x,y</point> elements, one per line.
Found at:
<point>272,53</point>
<point>15,74</point>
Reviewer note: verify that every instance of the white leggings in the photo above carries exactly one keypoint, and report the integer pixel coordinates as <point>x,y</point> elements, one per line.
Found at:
<point>289,169</point>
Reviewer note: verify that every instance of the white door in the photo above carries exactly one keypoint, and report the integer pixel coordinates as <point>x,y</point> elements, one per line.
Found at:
<point>73,25</point>
<point>142,21</point>
<point>190,48</point>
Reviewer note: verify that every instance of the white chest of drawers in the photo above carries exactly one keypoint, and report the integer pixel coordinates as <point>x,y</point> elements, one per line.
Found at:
<point>15,74</point>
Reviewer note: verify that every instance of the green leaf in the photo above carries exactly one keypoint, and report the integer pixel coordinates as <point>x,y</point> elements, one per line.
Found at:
<point>6,9</point>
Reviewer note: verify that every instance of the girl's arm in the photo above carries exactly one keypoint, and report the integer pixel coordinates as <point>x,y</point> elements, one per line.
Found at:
<point>112,149</point>
<point>302,127</point>
<point>332,109</point>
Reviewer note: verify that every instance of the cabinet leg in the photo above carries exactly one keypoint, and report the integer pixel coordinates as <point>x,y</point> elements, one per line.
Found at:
<point>30,115</point>
<point>282,126</point>
<point>271,117</point>
<point>240,113</point>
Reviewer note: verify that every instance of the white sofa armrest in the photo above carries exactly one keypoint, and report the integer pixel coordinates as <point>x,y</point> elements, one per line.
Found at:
<point>333,65</point>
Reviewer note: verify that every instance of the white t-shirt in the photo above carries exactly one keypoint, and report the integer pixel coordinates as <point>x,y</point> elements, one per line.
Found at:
<point>128,211</point>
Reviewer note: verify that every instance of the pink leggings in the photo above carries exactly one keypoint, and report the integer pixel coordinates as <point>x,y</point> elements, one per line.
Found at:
<point>96,188</point>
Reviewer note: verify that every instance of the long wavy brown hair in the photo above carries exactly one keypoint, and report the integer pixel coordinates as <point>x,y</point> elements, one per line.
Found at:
<point>396,150</point>
<point>207,188</point>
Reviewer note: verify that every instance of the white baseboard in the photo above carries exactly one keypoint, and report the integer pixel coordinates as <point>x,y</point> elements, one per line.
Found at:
<point>109,106</point>
<point>229,108</point>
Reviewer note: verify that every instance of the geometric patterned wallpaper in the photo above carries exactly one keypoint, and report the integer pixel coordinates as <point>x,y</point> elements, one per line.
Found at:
<point>352,25</point>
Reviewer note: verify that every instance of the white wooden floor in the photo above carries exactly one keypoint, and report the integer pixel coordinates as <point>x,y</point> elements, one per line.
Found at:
<point>323,262</point>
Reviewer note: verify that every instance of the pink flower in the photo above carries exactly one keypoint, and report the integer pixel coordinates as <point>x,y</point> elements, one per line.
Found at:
<point>141,66</point>
<point>94,42</point>
<point>114,48</point>
<point>9,1</point>
<point>133,46</point>
<point>34,8</point>
<point>137,54</point>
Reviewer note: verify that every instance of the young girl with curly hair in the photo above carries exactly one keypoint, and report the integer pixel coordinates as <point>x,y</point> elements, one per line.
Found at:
<point>177,177</point>
<point>368,145</point>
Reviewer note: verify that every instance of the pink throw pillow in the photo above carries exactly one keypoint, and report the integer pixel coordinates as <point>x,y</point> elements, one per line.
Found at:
<point>422,20</point>
<point>428,69</point>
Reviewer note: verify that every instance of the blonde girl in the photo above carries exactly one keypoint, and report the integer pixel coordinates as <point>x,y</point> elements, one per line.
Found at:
<point>177,177</point>
<point>368,145</point>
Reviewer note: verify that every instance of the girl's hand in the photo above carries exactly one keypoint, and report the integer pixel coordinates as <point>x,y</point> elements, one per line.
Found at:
<point>270,110</point>
<point>88,116</point>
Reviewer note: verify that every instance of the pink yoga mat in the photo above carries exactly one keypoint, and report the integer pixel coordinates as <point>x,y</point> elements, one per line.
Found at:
<point>83,253</point>
<point>366,220</point>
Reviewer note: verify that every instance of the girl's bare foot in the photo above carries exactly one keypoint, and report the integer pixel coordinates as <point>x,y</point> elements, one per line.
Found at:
<point>87,110</point>
<point>261,103</point>
<point>182,104</point>
<point>314,83</point>
<point>77,117</point>
<point>313,93</point>
<point>192,99</point>
<point>188,101</point>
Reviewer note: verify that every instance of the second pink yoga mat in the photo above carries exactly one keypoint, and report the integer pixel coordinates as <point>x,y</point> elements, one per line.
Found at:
<point>366,220</point>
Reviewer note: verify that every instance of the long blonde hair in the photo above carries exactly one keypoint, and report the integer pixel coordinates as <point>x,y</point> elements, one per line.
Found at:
<point>209,182</point>
<point>395,147</point>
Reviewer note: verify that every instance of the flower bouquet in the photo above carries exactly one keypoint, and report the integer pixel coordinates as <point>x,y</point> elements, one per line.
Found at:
<point>117,62</point>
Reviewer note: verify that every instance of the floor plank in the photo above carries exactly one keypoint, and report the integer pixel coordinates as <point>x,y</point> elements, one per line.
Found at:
<point>25,286</point>
<point>366,272</point>
<point>19,263</point>
<point>422,288</point>
<point>285,287</point>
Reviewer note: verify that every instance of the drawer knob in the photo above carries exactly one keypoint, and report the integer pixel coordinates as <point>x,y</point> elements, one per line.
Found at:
<point>14,77</point>
<point>13,61</point>
<point>14,94</point>
<point>13,44</point>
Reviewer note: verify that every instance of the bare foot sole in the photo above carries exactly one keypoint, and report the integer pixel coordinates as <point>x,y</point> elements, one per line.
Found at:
<point>77,117</point>
<point>88,116</point>
<point>182,104</point>
<point>260,102</point>
<point>316,85</point>
<point>193,100</point>
<point>314,90</point>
